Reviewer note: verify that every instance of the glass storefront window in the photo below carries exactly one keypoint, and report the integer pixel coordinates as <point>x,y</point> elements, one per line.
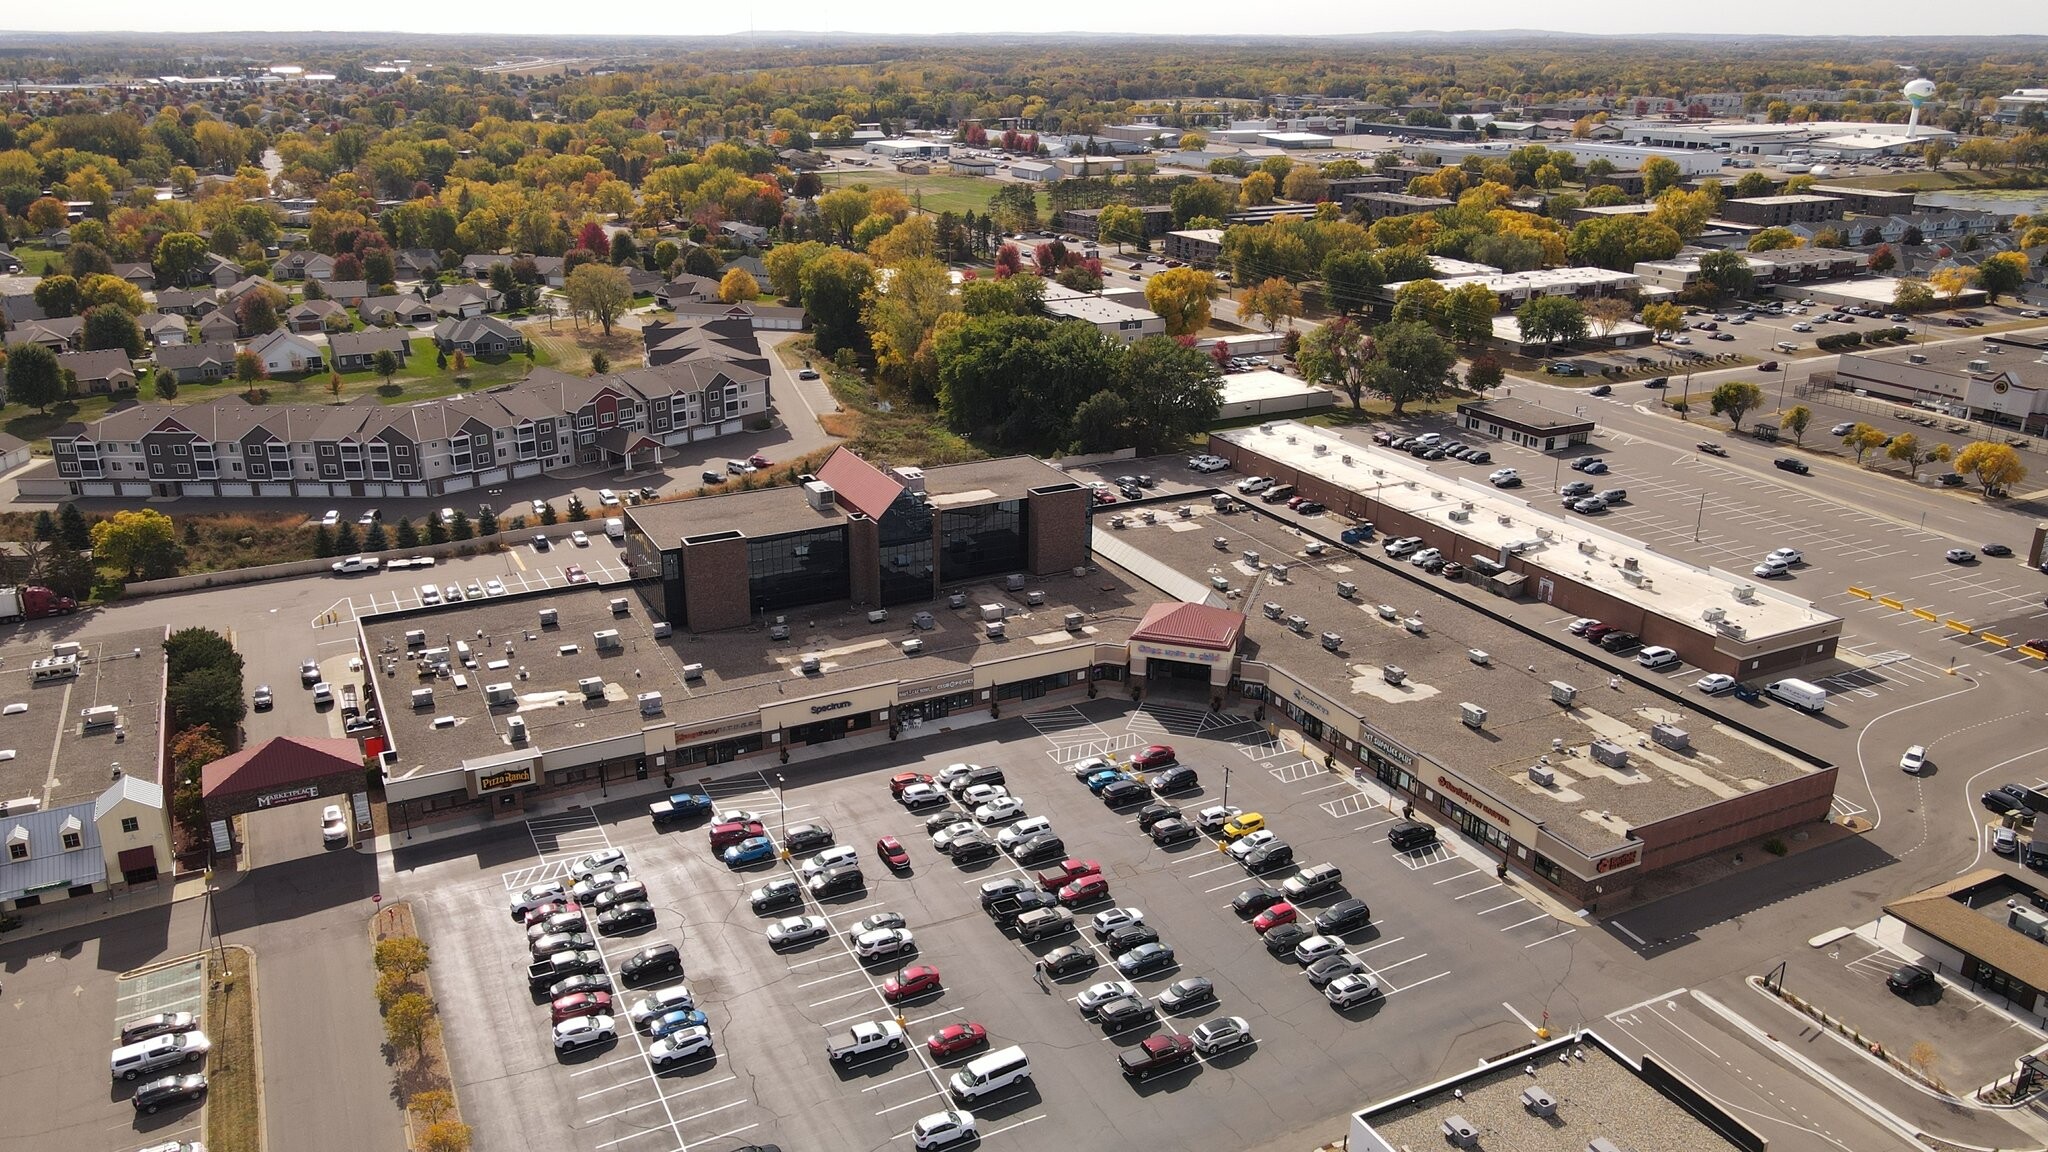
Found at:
<point>984,540</point>
<point>797,568</point>
<point>905,535</point>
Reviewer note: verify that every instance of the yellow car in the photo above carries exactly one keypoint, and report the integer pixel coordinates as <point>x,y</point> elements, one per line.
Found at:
<point>1243,825</point>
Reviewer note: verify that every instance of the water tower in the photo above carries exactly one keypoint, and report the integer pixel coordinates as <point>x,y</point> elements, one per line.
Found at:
<point>1917,92</point>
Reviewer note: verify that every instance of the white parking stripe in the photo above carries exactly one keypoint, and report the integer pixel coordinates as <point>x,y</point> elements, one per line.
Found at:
<point>1530,920</point>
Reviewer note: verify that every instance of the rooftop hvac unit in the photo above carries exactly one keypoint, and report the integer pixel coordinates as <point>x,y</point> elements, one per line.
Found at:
<point>923,622</point>
<point>1073,621</point>
<point>1251,559</point>
<point>992,612</point>
<point>1220,583</point>
<point>1714,615</point>
<point>1667,736</point>
<point>2028,922</point>
<point>820,495</point>
<point>608,640</point>
<point>1473,715</point>
<point>1735,631</point>
<point>1220,502</point>
<point>1979,365</point>
<point>878,615</point>
<point>1538,1101</point>
<point>1543,533</point>
<point>593,686</point>
<point>1347,458</point>
<point>1278,572</point>
<point>693,671</point>
<point>621,606</point>
<point>662,630</point>
<point>808,664</point>
<point>1185,511</point>
<point>515,730</point>
<point>498,693</point>
<point>1744,592</point>
<point>1221,544</point>
<point>1542,775</point>
<point>1588,548</point>
<point>1394,674</point>
<point>548,619</point>
<point>650,703</point>
<point>1459,1131</point>
<point>1460,515</point>
<point>1603,1144</point>
<point>1630,563</point>
<point>1315,548</point>
<point>68,649</point>
<point>1479,656</point>
<point>102,715</point>
<point>994,629</point>
<point>444,721</point>
<point>1015,583</point>
<point>1321,449</point>
<point>417,638</point>
<point>1916,358</point>
<point>957,600</point>
<point>1332,641</point>
<point>1563,693</point>
<point>423,697</point>
<point>1272,610</point>
<point>912,646</point>
<point>778,632</point>
<point>1346,589</point>
<point>1388,612</point>
<point>1413,624</point>
<point>1298,623</point>
<point>910,476</point>
<point>1633,576</point>
<point>1609,753</point>
<point>568,649</point>
<point>1035,599</point>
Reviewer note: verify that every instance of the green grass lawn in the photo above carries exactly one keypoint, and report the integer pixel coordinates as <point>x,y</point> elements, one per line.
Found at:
<point>34,258</point>
<point>938,192</point>
<point>1948,179</point>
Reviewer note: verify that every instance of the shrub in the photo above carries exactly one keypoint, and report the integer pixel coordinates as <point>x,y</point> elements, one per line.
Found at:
<point>446,1136</point>
<point>1774,846</point>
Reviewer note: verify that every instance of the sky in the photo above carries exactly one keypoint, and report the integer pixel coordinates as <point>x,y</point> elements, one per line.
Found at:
<point>1197,17</point>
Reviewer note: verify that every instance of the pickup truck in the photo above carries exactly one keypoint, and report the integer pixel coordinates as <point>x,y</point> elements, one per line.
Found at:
<point>560,966</point>
<point>861,1039</point>
<point>679,806</point>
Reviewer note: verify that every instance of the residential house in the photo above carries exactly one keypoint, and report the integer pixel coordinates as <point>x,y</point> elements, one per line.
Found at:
<point>19,308</point>
<point>694,289</point>
<point>58,334</point>
<point>59,238</point>
<point>357,351</point>
<point>195,363</point>
<point>406,308</point>
<point>303,266</point>
<point>752,235</point>
<point>762,316</point>
<point>466,300</point>
<point>478,267</point>
<point>218,271</point>
<point>1110,317</point>
<point>181,302</point>
<point>643,282</point>
<point>247,284</point>
<point>10,264</point>
<point>288,353</point>
<point>106,370</point>
<point>416,263</point>
<point>728,338</point>
<point>219,326</point>
<point>312,315</point>
<point>552,270</point>
<point>14,452</point>
<point>478,336</point>
<point>160,329</point>
<point>348,292</point>
<point>140,275</point>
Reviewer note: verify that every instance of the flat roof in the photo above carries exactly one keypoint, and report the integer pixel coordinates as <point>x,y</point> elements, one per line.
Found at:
<point>1591,807</point>
<point>1534,278</point>
<point>1507,327</point>
<point>743,668</point>
<point>52,758</point>
<point>1793,198</point>
<point>1578,547</point>
<point>1523,414</point>
<point>1597,1091</point>
<point>1265,384</point>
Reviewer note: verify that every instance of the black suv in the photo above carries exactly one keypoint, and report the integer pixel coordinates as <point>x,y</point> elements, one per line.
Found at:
<point>1178,778</point>
<point>1278,854</point>
<point>1130,936</point>
<point>1253,901</point>
<point>1343,916</point>
<point>1007,911</point>
<point>1119,793</point>
<point>1791,464</point>
<point>651,963</point>
<point>169,1090</point>
<point>1620,641</point>
<point>1172,832</point>
<point>1044,846</point>
<point>971,849</point>
<point>840,881</point>
<point>807,837</point>
<point>1152,814</point>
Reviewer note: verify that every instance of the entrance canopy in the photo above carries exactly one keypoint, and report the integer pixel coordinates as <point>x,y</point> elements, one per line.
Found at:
<point>282,770</point>
<point>1186,625</point>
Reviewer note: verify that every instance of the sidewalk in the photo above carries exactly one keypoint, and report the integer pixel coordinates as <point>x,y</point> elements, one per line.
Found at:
<point>87,911</point>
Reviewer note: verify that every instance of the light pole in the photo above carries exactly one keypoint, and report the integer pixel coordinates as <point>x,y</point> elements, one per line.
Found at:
<point>1226,782</point>
<point>781,803</point>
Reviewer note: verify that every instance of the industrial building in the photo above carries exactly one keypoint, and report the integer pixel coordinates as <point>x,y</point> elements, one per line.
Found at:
<point>2005,389</point>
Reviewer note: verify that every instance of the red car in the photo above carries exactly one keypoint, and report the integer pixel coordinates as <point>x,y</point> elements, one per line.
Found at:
<point>1086,890</point>
<point>549,909</point>
<point>1070,870</point>
<point>915,980</point>
<point>581,1004</point>
<point>1104,496</point>
<point>902,780</point>
<point>1273,917</point>
<point>956,1038</point>
<point>727,835</point>
<point>891,851</point>
<point>760,461</point>
<point>1156,756</point>
<point>575,574</point>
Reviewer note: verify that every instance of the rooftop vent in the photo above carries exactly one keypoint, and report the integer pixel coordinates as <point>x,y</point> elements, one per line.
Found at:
<point>1459,1131</point>
<point>1538,1101</point>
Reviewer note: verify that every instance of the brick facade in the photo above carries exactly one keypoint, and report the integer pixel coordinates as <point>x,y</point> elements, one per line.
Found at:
<point>1059,534</point>
<point>714,580</point>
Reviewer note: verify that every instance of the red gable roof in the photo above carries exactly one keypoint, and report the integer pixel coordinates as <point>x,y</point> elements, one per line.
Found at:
<point>1191,626</point>
<point>279,763</point>
<point>861,486</point>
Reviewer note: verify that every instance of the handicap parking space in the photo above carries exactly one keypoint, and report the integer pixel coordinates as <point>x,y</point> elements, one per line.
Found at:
<point>179,986</point>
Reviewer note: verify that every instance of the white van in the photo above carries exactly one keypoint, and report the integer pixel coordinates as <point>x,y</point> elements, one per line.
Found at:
<point>1799,694</point>
<point>991,1073</point>
<point>615,527</point>
<point>1657,657</point>
<point>132,1060</point>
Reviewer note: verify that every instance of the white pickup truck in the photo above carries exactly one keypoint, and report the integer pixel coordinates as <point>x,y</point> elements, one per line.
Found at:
<point>861,1039</point>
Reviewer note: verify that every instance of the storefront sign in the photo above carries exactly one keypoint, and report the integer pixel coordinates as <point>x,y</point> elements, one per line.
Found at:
<point>509,778</point>
<point>1187,655</point>
<point>287,796</point>
<point>944,685</point>
<point>1446,784</point>
<point>1619,861</point>
<point>1386,747</point>
<point>748,724</point>
<point>836,705</point>
<point>1311,702</point>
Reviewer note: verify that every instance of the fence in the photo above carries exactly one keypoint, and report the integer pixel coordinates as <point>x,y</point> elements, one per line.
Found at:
<point>1840,395</point>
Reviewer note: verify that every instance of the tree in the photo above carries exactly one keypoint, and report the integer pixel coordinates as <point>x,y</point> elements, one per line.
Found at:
<point>375,538</point>
<point>785,264</point>
<point>408,1020</point>
<point>1171,391</point>
<point>1485,373</point>
<point>1121,224</point>
<point>1350,281</point>
<point>834,286</point>
<point>249,370</point>
<point>900,317</point>
<point>110,326</point>
<point>1101,423</point>
<point>600,363</point>
<point>1752,185</point>
<point>1339,353</point>
<point>57,296</point>
<point>1905,448</point>
<point>1996,466</point>
<point>1272,300</point>
<point>404,955</point>
<point>1662,318</point>
<point>1861,438</point>
<point>1255,190</point>
<point>178,256</point>
<point>1420,300</point>
<point>1735,400</point>
<point>408,535</point>
<point>2002,273</point>
<point>256,313</point>
<point>346,543</point>
<point>1211,198</point>
<point>1882,260</point>
<point>1621,242</point>
<point>72,531</point>
<point>446,1136</point>
<point>1912,295</point>
<point>210,696</point>
<point>1412,364</point>
<point>737,285</point>
<point>1659,173</point>
<point>34,376</point>
<point>599,291</point>
<point>1773,239</point>
<point>1605,312</point>
<point>1551,319</point>
<point>1794,420</point>
<point>386,363</point>
<point>462,529</point>
<point>1181,297</point>
<point>1468,313</point>
<point>1725,273</point>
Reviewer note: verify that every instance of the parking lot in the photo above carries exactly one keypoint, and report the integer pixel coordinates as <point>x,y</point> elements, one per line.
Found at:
<point>1458,954</point>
